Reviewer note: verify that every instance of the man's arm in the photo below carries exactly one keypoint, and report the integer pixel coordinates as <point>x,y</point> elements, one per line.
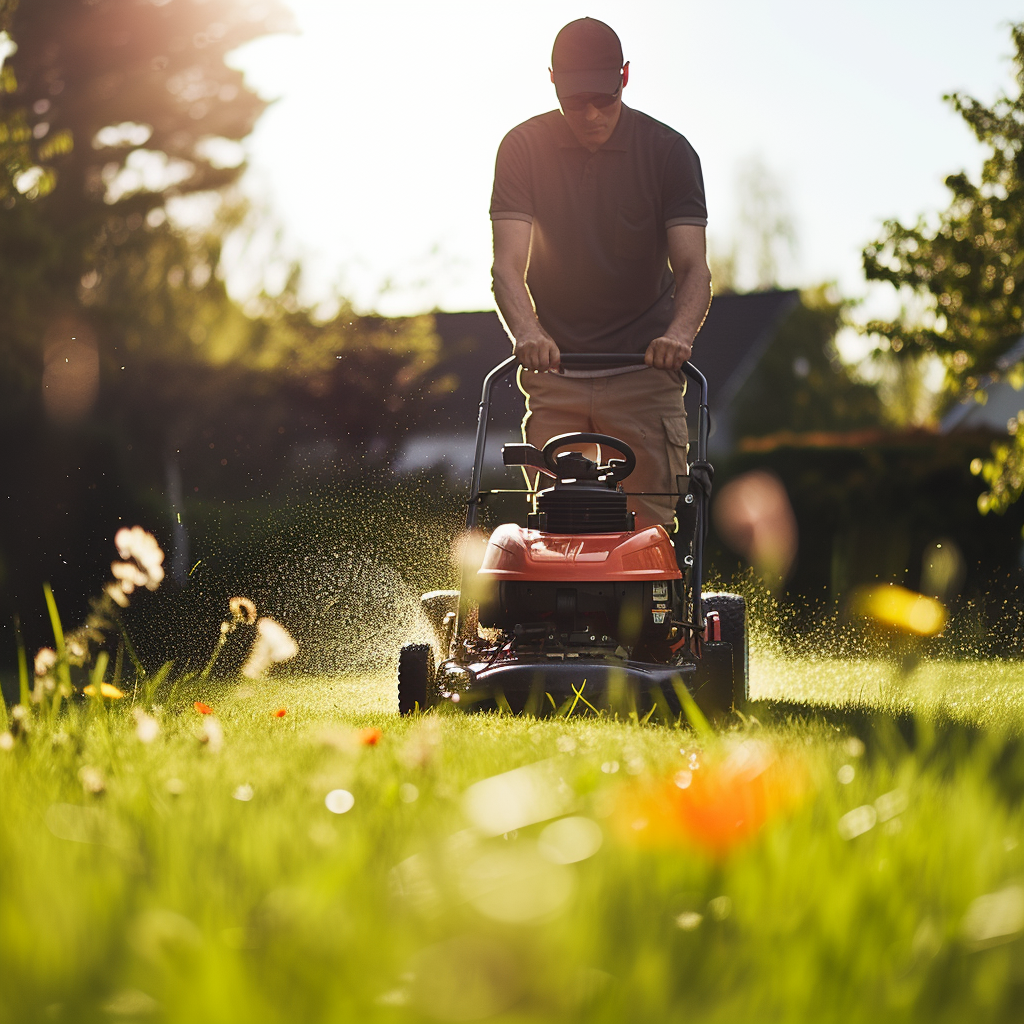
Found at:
<point>533,345</point>
<point>687,253</point>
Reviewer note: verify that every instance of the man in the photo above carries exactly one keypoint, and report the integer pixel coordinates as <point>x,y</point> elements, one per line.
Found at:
<point>599,217</point>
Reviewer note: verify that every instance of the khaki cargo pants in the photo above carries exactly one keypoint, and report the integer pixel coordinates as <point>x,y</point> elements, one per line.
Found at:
<point>644,408</point>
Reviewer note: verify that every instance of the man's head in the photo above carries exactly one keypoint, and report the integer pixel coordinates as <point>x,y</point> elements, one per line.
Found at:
<point>589,76</point>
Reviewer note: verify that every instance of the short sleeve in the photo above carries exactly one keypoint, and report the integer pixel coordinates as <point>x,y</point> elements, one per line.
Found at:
<point>683,187</point>
<point>512,196</point>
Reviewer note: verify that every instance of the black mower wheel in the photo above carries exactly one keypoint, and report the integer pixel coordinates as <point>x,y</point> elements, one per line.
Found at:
<point>732,613</point>
<point>415,675</point>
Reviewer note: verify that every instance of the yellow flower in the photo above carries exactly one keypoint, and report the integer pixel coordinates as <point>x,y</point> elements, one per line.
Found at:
<point>902,610</point>
<point>106,690</point>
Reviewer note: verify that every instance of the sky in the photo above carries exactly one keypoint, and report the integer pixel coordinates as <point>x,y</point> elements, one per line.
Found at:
<point>374,164</point>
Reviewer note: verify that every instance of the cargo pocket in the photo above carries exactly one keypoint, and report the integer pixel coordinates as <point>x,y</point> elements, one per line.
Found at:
<point>634,236</point>
<point>676,439</point>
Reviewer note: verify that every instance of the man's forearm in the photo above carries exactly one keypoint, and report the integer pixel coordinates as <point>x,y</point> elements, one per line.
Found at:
<point>691,305</point>
<point>515,306</point>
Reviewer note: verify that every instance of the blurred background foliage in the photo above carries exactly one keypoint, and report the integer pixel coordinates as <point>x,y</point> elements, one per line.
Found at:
<point>800,383</point>
<point>127,368</point>
<point>961,274</point>
<point>125,365</point>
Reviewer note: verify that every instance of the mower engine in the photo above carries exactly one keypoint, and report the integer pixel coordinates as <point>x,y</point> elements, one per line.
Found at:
<point>579,577</point>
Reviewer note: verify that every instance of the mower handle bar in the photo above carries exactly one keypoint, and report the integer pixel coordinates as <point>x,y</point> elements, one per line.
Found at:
<point>571,360</point>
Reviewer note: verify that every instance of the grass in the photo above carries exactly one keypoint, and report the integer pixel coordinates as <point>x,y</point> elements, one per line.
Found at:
<point>181,880</point>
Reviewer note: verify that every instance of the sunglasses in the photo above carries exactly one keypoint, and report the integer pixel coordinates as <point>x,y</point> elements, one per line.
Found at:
<point>599,100</point>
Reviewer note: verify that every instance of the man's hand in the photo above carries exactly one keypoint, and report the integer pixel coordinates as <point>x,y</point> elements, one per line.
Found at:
<point>537,351</point>
<point>666,353</point>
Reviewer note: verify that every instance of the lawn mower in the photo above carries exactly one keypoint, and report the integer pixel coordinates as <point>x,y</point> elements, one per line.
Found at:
<point>579,609</point>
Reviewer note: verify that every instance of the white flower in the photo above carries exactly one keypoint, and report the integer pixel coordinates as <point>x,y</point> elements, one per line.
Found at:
<point>128,575</point>
<point>144,551</point>
<point>273,644</point>
<point>91,779</point>
<point>212,735</point>
<point>147,728</point>
<point>46,658</point>
<point>116,593</point>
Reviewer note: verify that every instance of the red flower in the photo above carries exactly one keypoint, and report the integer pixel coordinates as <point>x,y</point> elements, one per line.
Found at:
<point>718,806</point>
<point>280,712</point>
<point>370,737</point>
<point>203,709</point>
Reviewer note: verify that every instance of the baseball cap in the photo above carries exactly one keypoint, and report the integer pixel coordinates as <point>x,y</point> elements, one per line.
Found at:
<point>586,57</point>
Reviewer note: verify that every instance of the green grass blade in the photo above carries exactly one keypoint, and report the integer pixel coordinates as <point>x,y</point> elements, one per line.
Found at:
<point>63,669</point>
<point>58,629</point>
<point>24,695</point>
<point>694,715</point>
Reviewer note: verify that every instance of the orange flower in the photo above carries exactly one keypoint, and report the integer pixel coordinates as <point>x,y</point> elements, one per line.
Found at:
<point>280,712</point>
<point>717,806</point>
<point>370,736</point>
<point>203,709</point>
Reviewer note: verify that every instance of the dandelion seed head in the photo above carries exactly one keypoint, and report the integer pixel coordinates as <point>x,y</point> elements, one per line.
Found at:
<point>142,564</point>
<point>45,660</point>
<point>274,644</point>
<point>212,735</point>
<point>116,594</point>
<point>91,779</point>
<point>242,610</point>
<point>147,728</point>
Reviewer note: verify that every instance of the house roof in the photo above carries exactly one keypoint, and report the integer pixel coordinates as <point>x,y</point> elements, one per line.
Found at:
<point>1001,402</point>
<point>737,331</point>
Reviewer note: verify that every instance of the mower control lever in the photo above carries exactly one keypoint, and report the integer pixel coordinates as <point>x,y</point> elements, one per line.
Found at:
<point>519,454</point>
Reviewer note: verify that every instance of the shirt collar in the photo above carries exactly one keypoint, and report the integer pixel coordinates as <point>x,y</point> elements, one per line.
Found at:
<point>620,139</point>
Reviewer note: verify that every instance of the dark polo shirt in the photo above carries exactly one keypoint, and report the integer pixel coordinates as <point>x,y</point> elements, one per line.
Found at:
<point>599,272</point>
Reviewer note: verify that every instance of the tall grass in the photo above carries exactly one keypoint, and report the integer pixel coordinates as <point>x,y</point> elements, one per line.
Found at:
<point>202,876</point>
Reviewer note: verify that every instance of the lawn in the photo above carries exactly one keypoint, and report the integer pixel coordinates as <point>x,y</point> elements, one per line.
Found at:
<point>850,849</point>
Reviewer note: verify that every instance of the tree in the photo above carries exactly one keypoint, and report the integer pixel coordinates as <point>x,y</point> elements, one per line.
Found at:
<point>965,265</point>
<point>764,240</point>
<point>965,268</point>
<point>108,109</point>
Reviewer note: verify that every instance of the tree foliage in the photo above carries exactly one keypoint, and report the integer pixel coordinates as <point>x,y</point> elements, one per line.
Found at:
<point>108,109</point>
<point>965,265</point>
<point>153,112</point>
<point>965,269</point>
